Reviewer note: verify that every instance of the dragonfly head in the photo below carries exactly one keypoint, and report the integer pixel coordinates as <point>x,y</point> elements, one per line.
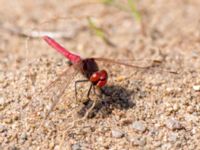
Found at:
<point>99,78</point>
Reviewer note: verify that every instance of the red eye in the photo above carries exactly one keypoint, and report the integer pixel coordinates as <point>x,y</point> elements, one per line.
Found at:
<point>103,75</point>
<point>95,77</point>
<point>103,78</point>
<point>101,83</point>
<point>99,78</point>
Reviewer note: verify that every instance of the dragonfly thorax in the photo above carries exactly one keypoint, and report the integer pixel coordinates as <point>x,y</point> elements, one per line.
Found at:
<point>99,78</point>
<point>88,67</point>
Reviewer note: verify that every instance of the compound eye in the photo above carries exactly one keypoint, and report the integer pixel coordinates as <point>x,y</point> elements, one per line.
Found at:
<point>101,83</point>
<point>103,75</point>
<point>103,78</point>
<point>95,77</point>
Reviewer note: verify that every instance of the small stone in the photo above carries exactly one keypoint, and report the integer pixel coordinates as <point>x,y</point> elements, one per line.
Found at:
<point>190,109</point>
<point>117,134</point>
<point>24,136</point>
<point>166,146</point>
<point>2,128</point>
<point>57,147</point>
<point>2,78</point>
<point>87,130</point>
<point>153,132</point>
<point>120,78</point>
<point>51,145</point>
<point>169,89</point>
<point>196,87</point>
<point>76,146</point>
<point>157,144</point>
<point>172,137</point>
<point>175,107</point>
<point>2,101</point>
<point>194,131</point>
<point>136,141</point>
<point>173,124</point>
<point>8,120</point>
<point>139,126</point>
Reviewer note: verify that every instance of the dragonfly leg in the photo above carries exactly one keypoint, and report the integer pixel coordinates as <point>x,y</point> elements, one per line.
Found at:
<point>94,102</point>
<point>76,82</point>
<point>90,109</point>
<point>98,94</point>
<point>89,91</point>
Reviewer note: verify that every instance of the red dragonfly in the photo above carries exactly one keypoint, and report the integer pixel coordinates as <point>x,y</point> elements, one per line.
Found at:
<point>88,67</point>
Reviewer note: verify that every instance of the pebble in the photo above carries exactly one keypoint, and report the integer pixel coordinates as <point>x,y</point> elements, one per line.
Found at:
<point>57,147</point>
<point>153,132</point>
<point>173,124</point>
<point>166,146</point>
<point>157,144</point>
<point>76,146</point>
<point>120,78</point>
<point>2,128</point>
<point>190,109</point>
<point>51,145</point>
<point>139,126</point>
<point>196,87</point>
<point>138,141</point>
<point>172,137</point>
<point>117,134</point>
<point>2,101</point>
<point>175,107</point>
<point>2,78</point>
<point>24,136</point>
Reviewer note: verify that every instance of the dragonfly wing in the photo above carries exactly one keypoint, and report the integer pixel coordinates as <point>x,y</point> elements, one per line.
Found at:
<point>44,102</point>
<point>149,64</point>
<point>133,64</point>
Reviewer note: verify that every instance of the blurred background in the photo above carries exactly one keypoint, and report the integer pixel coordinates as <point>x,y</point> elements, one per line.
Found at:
<point>165,110</point>
<point>133,29</point>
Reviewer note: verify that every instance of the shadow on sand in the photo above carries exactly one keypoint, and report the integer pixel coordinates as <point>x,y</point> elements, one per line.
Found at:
<point>112,97</point>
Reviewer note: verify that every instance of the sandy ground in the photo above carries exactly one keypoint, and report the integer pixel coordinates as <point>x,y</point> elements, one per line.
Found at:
<point>142,108</point>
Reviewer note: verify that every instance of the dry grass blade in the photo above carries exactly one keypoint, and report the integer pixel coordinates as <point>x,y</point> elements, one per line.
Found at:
<point>99,32</point>
<point>134,10</point>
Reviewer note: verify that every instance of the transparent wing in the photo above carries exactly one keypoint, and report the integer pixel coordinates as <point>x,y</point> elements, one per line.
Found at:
<point>148,64</point>
<point>42,103</point>
<point>128,63</point>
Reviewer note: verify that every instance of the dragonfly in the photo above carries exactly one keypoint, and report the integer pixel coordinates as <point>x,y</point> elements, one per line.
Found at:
<point>88,67</point>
